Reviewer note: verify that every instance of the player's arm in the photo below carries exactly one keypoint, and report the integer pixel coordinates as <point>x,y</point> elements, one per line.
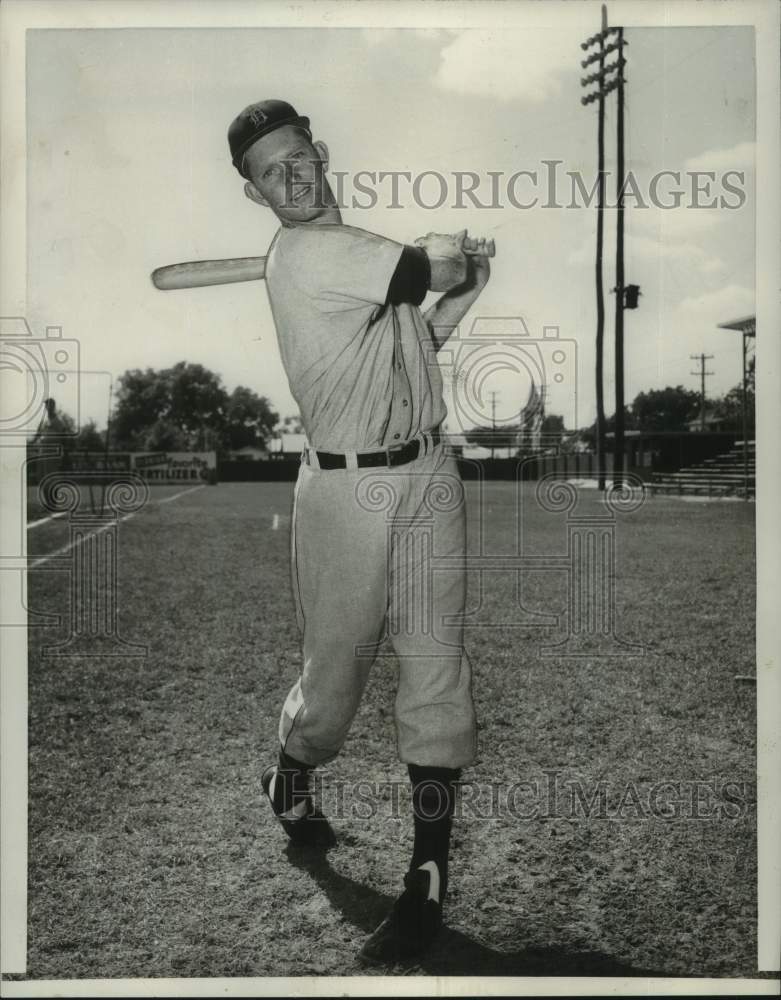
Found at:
<point>447,312</point>
<point>352,265</point>
<point>436,263</point>
<point>411,279</point>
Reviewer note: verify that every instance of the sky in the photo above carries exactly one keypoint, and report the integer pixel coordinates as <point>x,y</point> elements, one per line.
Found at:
<point>128,169</point>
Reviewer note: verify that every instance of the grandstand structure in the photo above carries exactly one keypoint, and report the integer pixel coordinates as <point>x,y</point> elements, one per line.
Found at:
<point>731,474</point>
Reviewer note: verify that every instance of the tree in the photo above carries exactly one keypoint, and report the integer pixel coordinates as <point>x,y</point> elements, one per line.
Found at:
<point>198,402</point>
<point>89,438</point>
<point>514,436</point>
<point>730,406</point>
<point>143,397</point>
<point>589,434</point>
<point>61,427</point>
<point>185,398</point>
<point>668,409</point>
<point>506,436</point>
<point>552,430</point>
<point>57,431</point>
<point>249,420</point>
<point>164,435</point>
<point>187,408</point>
<point>292,425</point>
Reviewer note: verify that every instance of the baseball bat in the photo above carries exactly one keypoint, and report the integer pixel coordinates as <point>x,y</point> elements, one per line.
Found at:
<point>197,273</point>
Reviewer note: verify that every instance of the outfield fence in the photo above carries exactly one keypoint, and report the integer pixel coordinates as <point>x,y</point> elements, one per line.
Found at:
<point>647,454</point>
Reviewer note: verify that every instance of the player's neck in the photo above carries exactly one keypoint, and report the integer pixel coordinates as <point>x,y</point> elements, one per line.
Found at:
<point>330,216</point>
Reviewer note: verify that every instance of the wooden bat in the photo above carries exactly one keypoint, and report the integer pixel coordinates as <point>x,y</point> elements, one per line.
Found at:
<point>198,273</point>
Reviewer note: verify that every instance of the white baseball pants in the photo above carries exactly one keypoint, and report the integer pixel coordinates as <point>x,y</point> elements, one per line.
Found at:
<point>378,554</point>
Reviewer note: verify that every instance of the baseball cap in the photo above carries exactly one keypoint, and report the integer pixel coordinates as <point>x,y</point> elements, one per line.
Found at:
<point>257,120</point>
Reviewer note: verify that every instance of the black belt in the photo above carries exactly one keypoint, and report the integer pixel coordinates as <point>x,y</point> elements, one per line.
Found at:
<point>394,455</point>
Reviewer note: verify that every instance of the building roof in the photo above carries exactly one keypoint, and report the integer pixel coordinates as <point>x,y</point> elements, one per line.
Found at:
<point>746,325</point>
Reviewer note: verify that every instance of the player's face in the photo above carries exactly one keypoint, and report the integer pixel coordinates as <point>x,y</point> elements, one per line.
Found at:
<point>288,173</point>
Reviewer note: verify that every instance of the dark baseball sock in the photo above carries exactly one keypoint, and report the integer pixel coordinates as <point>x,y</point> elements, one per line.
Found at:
<point>292,782</point>
<point>433,802</point>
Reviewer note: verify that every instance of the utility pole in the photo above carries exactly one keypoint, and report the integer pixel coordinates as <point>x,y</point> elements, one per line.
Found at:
<point>618,455</point>
<point>605,84</point>
<point>702,358</point>
<point>493,396</point>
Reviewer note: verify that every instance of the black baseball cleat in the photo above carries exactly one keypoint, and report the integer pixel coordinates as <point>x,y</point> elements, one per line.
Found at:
<point>413,923</point>
<point>305,825</point>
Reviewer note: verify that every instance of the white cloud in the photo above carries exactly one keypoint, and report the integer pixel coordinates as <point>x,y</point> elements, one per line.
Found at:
<point>725,303</point>
<point>676,223</point>
<point>714,265</point>
<point>683,254</point>
<point>739,157</point>
<point>508,65</point>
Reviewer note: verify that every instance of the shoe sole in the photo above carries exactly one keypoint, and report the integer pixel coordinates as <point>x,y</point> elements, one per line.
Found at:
<point>400,952</point>
<point>397,959</point>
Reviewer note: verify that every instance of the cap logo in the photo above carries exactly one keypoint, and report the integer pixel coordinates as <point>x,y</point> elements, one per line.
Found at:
<point>257,117</point>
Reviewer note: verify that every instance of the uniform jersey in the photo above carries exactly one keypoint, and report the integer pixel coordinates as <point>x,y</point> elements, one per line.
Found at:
<point>363,372</point>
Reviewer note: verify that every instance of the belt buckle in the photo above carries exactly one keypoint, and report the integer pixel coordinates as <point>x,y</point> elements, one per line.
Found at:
<point>395,449</point>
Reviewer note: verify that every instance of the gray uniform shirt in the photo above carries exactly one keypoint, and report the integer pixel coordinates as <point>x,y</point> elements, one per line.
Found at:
<point>364,374</point>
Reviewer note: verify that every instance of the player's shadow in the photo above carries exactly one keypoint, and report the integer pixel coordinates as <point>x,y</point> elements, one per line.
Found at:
<point>454,953</point>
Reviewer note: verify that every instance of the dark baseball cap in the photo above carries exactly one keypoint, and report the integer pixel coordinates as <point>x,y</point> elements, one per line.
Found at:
<point>257,120</point>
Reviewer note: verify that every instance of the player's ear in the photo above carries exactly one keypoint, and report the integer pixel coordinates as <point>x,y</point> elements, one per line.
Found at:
<point>254,195</point>
<point>322,151</point>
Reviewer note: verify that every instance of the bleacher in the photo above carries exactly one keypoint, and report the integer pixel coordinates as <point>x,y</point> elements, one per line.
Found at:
<point>724,475</point>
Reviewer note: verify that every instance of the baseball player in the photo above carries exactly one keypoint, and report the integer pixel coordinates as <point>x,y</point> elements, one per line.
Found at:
<point>360,359</point>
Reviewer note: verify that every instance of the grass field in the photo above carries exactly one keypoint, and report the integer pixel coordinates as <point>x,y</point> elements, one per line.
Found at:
<point>152,854</point>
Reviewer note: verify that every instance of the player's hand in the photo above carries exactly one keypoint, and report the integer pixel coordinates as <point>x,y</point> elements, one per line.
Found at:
<point>478,251</point>
<point>478,246</point>
<point>457,260</point>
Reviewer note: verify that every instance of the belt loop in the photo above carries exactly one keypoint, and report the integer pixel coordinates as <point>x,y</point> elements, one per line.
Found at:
<point>312,457</point>
<point>351,459</point>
